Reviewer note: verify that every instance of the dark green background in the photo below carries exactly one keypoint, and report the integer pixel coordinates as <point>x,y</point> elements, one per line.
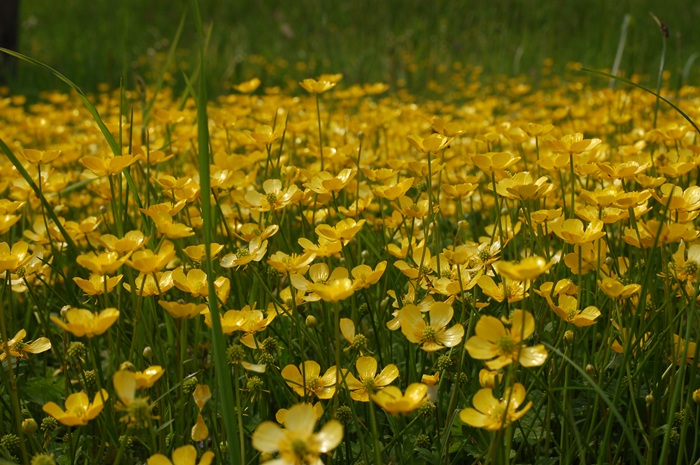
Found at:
<point>94,41</point>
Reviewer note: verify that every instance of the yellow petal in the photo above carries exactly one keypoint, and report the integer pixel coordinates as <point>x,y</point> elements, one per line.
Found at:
<point>200,431</point>
<point>159,459</point>
<point>330,436</point>
<point>125,384</point>
<point>366,367</point>
<point>267,437</point>
<point>185,455</point>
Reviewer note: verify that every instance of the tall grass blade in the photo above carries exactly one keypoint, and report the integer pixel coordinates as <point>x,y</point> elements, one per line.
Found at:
<point>223,374</point>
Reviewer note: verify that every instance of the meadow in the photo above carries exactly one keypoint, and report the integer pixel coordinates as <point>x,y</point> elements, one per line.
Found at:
<point>387,250</point>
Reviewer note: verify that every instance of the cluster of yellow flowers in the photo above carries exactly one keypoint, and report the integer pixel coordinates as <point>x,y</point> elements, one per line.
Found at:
<point>340,204</point>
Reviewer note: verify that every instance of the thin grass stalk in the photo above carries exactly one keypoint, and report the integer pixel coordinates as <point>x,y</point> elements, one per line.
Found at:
<point>223,377</point>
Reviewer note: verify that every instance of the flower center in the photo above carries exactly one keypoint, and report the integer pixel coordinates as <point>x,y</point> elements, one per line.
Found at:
<point>691,267</point>
<point>429,334</point>
<point>506,344</point>
<point>79,411</point>
<point>369,384</point>
<point>298,447</point>
<point>271,198</point>
<point>313,383</point>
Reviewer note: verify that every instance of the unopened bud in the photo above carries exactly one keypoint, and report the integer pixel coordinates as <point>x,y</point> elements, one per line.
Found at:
<point>310,321</point>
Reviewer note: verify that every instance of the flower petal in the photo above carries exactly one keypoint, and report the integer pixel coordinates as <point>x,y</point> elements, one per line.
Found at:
<point>330,436</point>
<point>185,455</point>
<point>267,437</point>
<point>387,375</point>
<point>489,328</point>
<point>533,356</point>
<point>523,325</point>
<point>440,314</point>
<point>301,419</point>
<point>366,367</point>
<point>472,418</point>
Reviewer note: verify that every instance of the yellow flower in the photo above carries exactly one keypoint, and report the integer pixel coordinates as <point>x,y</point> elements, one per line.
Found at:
<point>513,291</point>
<point>433,336</point>
<point>296,443</point>
<point>572,144</point>
<point>313,86</point>
<point>680,345</point>
<point>493,162</point>
<point>571,231</point>
<point>40,156</point>
<point>324,182</point>
<point>252,252</point>
<point>369,381</point>
<point>147,378</point>
<point>168,227</point>
<point>247,87</point>
<point>185,455</point>
<point>97,284</point>
<point>147,285</point>
<point>325,248</point>
<point>500,346</point>
<point>494,414</point>
<point>149,262</point>
<point>197,253</point>
<point>131,241</point>
<point>487,378</point>
<point>343,231</point>
<point>393,401</point>
<point>393,191</point>
<point>522,187</point>
<point>79,410</point>
<point>334,290</point>
<point>108,166</point>
<point>100,264</point>
<point>568,311</point>
<point>528,269</point>
<point>364,276</point>
<point>616,290</point>
<point>293,264</point>
<point>305,379</point>
<point>274,196</point>
<point>15,258</point>
<point>431,144</point>
<point>195,282</point>
<point>182,310</point>
<point>82,322</point>
<point>20,349</point>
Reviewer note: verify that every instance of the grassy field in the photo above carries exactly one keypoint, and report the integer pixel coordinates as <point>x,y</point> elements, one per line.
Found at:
<point>351,233</point>
<point>390,41</point>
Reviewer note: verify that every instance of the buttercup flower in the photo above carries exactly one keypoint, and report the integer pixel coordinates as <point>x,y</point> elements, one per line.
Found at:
<point>369,381</point>
<point>433,336</point>
<point>79,410</point>
<point>393,401</point>
<point>20,349</point>
<point>296,443</point>
<point>500,346</point>
<point>82,322</point>
<point>494,414</point>
<point>185,455</point>
<point>305,379</point>
<point>568,311</point>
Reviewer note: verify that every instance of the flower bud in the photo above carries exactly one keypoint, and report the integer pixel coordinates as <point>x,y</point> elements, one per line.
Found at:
<point>569,336</point>
<point>310,321</point>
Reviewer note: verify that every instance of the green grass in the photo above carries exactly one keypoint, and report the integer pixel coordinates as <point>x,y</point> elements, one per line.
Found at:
<point>392,41</point>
